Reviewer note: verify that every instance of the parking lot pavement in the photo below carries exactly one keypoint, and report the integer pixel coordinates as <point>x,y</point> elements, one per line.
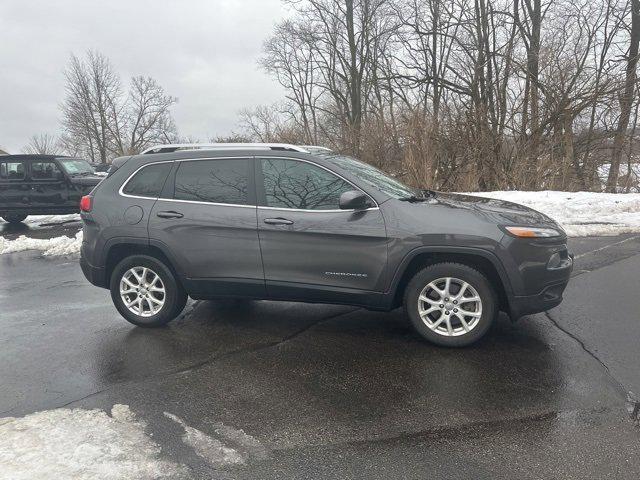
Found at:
<point>299,391</point>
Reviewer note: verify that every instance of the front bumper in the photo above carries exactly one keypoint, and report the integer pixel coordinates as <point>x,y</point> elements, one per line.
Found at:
<point>550,297</point>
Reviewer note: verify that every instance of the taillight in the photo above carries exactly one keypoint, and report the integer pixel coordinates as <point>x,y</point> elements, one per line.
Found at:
<point>86,203</point>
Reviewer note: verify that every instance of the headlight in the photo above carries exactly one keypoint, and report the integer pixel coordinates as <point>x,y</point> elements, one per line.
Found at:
<point>532,232</point>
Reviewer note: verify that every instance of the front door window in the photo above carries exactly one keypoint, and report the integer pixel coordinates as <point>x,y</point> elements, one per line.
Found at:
<point>301,185</point>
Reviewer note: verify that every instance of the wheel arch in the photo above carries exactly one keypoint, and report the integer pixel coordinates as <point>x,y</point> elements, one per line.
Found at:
<point>483,261</point>
<point>118,250</point>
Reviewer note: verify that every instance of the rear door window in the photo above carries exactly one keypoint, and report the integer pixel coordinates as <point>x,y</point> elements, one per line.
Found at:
<point>213,181</point>
<point>11,170</point>
<point>148,181</point>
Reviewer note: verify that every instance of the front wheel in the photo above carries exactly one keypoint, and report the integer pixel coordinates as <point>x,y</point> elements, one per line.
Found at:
<point>450,304</point>
<point>145,291</point>
<point>14,218</point>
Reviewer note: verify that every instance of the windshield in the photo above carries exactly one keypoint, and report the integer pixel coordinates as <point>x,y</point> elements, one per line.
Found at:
<point>75,166</point>
<point>374,177</point>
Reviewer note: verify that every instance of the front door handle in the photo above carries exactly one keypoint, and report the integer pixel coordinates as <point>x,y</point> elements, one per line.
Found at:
<point>170,214</point>
<point>278,221</point>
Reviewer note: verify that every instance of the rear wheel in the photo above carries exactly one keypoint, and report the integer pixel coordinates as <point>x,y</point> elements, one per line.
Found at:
<point>145,291</point>
<point>450,304</point>
<point>14,218</point>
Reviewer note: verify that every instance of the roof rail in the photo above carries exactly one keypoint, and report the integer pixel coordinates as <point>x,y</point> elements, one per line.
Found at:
<point>172,147</point>
<point>316,147</point>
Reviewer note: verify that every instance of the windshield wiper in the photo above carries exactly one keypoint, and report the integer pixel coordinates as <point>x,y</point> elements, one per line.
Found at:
<point>425,195</point>
<point>413,199</point>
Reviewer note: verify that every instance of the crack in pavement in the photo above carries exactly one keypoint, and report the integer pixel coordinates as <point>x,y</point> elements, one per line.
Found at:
<point>633,407</point>
<point>214,358</point>
<point>260,346</point>
<point>632,402</point>
<point>584,347</point>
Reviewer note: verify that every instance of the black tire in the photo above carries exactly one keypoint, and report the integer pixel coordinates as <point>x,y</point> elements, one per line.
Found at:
<point>175,297</point>
<point>461,272</point>
<point>14,218</point>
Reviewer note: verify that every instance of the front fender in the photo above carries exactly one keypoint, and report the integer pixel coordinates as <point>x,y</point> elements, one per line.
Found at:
<point>449,250</point>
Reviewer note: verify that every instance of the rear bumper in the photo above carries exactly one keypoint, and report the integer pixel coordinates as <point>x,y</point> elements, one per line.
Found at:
<point>96,275</point>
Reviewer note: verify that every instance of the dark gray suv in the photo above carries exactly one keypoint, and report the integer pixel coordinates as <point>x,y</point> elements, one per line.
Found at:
<point>282,222</point>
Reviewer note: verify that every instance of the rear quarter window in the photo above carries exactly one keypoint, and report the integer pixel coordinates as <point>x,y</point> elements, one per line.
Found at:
<point>148,181</point>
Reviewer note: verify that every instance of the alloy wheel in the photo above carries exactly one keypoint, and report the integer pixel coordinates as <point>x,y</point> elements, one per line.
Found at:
<point>449,306</point>
<point>142,291</point>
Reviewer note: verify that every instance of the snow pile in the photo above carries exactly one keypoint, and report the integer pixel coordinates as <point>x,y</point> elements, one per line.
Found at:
<point>50,219</point>
<point>91,444</point>
<point>49,246</point>
<point>78,443</point>
<point>206,447</point>
<point>581,213</point>
<point>214,451</point>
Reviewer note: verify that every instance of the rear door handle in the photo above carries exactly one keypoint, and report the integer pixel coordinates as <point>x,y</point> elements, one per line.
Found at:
<point>278,221</point>
<point>170,214</point>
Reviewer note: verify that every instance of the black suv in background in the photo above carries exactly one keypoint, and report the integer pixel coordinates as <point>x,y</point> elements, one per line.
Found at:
<point>42,185</point>
<point>283,222</point>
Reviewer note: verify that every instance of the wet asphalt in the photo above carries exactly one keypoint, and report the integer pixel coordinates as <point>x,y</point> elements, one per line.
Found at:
<point>340,392</point>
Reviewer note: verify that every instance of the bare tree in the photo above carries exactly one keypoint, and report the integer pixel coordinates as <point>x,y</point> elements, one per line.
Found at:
<point>460,94</point>
<point>43,144</point>
<point>626,99</point>
<point>262,123</point>
<point>101,121</point>
<point>144,119</point>
<point>91,103</point>
<point>288,55</point>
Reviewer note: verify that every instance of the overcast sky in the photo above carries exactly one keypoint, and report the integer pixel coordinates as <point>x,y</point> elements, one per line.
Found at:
<point>202,51</point>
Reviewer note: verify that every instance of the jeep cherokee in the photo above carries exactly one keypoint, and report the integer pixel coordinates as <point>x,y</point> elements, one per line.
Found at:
<point>284,222</point>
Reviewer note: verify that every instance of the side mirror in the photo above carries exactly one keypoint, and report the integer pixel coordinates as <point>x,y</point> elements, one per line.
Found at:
<point>354,200</point>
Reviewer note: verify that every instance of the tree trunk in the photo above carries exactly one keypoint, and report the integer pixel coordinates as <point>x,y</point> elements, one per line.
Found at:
<point>533,66</point>
<point>354,81</point>
<point>626,100</point>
